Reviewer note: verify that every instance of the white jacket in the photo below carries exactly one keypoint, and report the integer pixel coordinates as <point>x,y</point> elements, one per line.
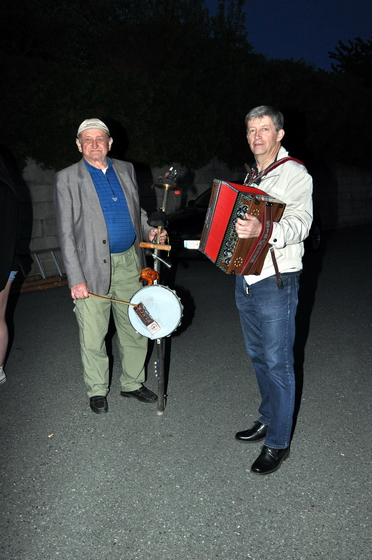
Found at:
<point>290,183</point>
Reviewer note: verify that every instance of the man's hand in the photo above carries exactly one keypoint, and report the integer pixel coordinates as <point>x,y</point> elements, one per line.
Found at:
<point>153,234</point>
<point>250,227</point>
<point>80,291</point>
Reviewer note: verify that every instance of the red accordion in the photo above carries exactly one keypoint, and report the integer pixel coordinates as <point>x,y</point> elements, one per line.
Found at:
<point>220,242</point>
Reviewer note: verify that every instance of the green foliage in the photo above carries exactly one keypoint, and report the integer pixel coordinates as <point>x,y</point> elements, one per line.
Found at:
<point>173,82</point>
<point>354,59</point>
<point>351,89</point>
<point>228,25</point>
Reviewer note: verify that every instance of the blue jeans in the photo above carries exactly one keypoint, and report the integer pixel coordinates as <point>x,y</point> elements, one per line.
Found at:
<point>267,315</point>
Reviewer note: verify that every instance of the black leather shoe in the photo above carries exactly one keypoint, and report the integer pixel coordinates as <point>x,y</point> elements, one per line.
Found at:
<point>142,394</point>
<point>256,433</point>
<point>269,460</point>
<point>98,404</point>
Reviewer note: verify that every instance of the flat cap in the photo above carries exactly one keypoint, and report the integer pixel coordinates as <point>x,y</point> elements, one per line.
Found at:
<point>92,123</point>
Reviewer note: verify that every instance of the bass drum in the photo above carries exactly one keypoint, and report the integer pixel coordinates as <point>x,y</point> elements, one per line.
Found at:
<point>164,307</point>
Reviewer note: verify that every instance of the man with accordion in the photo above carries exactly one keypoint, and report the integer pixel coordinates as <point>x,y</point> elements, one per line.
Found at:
<point>267,302</point>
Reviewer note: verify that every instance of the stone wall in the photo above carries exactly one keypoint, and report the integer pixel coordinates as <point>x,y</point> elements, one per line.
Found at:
<point>342,195</point>
<point>354,196</point>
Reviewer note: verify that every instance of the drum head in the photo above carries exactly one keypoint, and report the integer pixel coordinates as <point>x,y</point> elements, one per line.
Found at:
<point>163,305</point>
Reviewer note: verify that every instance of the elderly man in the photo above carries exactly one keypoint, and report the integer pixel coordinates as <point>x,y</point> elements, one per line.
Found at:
<point>100,224</point>
<point>267,303</point>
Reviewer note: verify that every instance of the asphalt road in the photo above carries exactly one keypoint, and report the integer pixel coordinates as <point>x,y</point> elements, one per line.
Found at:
<point>133,485</point>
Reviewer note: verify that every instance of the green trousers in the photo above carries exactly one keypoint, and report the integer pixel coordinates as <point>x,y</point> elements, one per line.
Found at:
<point>93,317</point>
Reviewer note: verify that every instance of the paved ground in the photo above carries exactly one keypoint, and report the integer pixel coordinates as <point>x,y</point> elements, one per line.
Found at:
<point>133,485</point>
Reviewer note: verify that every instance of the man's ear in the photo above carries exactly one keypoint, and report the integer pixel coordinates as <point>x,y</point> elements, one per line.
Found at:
<point>79,145</point>
<point>110,143</point>
<point>280,135</point>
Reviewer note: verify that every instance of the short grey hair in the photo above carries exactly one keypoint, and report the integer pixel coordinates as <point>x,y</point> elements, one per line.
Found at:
<point>266,111</point>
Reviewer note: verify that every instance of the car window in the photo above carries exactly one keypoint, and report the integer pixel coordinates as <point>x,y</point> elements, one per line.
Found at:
<point>203,199</point>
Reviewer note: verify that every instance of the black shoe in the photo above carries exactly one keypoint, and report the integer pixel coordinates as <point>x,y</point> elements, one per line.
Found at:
<point>269,460</point>
<point>142,394</point>
<point>256,433</point>
<point>98,404</point>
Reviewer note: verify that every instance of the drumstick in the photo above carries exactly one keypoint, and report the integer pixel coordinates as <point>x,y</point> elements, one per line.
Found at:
<point>158,246</point>
<point>141,311</point>
<point>116,300</point>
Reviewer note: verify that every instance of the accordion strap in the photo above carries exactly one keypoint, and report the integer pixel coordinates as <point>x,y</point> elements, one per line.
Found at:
<point>276,268</point>
<point>252,177</point>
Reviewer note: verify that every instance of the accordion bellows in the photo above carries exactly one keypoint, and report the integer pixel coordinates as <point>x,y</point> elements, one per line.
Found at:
<point>219,241</point>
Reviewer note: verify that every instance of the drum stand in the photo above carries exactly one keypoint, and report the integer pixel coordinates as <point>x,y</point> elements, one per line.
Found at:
<point>157,219</point>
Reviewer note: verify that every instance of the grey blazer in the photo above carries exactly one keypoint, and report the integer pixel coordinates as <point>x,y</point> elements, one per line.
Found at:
<point>82,227</point>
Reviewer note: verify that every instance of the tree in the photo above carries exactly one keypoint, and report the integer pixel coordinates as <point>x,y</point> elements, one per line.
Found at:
<point>53,30</point>
<point>157,67</point>
<point>177,80</point>
<point>229,23</point>
<point>354,59</point>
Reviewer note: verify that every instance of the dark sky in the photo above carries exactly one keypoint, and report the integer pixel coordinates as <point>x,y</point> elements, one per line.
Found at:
<point>305,28</point>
